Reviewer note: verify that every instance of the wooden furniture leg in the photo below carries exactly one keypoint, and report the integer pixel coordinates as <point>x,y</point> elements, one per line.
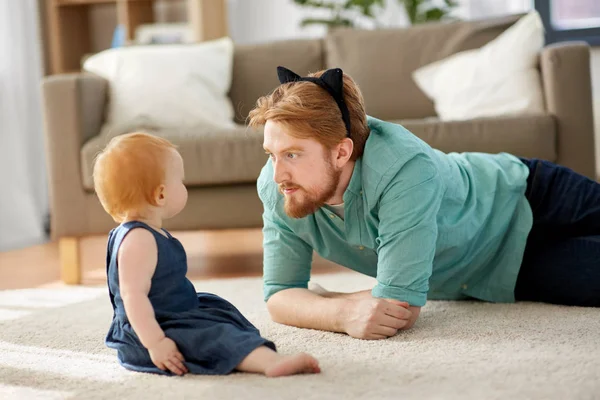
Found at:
<point>70,264</point>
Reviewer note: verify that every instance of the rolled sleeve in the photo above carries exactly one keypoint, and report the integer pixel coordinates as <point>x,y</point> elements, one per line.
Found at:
<point>412,297</point>
<point>287,258</point>
<point>408,233</point>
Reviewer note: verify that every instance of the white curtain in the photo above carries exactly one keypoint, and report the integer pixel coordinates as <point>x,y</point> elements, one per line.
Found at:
<point>23,186</point>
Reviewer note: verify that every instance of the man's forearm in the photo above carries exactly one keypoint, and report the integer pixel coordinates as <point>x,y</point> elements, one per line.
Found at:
<point>321,291</point>
<point>305,309</point>
<point>351,296</point>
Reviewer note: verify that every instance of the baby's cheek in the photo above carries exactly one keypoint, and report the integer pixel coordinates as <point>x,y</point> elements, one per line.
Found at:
<point>184,196</point>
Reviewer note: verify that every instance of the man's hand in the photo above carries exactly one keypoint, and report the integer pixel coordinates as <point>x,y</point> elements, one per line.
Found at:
<point>374,318</point>
<point>166,356</point>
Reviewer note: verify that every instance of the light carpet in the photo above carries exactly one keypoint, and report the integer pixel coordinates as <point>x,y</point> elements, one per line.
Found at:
<point>51,347</point>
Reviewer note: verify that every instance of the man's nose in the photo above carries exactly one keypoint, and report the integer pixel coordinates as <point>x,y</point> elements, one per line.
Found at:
<point>280,174</point>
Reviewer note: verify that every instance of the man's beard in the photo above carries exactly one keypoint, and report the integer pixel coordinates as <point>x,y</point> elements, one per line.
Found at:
<point>305,202</point>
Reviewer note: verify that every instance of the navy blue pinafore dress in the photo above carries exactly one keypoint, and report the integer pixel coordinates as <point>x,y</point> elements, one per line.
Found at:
<point>211,334</point>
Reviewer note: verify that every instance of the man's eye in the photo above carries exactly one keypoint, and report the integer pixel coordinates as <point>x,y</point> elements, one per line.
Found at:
<point>292,155</point>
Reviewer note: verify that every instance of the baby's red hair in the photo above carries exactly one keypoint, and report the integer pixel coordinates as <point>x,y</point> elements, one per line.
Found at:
<point>129,171</point>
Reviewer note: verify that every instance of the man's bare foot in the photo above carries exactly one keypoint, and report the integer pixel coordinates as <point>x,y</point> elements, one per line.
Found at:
<point>297,364</point>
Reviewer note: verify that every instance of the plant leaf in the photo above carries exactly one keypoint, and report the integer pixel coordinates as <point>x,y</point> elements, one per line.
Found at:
<point>316,4</point>
<point>434,14</point>
<point>365,6</point>
<point>325,21</point>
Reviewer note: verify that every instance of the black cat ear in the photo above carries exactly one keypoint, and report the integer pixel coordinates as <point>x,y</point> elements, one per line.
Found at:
<point>335,79</point>
<point>286,76</point>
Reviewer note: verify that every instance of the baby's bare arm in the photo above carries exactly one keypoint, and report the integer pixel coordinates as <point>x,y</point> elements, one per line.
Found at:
<point>137,260</point>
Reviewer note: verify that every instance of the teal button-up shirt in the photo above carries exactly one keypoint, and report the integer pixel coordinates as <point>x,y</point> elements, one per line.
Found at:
<point>424,223</point>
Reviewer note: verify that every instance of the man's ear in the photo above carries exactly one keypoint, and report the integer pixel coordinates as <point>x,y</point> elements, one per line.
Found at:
<point>344,152</point>
<point>159,196</point>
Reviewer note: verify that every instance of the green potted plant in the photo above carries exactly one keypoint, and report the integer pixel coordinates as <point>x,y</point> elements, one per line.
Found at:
<point>420,11</point>
<point>342,13</point>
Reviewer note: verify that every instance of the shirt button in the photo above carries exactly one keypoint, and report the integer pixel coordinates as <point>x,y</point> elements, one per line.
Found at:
<point>361,247</point>
<point>464,286</point>
<point>332,216</point>
<point>361,192</point>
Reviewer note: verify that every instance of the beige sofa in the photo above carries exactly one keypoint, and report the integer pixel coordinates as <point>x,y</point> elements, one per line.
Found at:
<point>222,166</point>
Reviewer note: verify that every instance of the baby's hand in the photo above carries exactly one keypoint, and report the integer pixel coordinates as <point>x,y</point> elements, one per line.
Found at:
<point>166,356</point>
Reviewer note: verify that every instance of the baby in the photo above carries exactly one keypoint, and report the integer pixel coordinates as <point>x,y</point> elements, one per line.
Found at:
<point>160,323</point>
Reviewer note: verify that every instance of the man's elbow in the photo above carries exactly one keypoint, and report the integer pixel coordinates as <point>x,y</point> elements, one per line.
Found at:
<point>278,305</point>
<point>274,308</point>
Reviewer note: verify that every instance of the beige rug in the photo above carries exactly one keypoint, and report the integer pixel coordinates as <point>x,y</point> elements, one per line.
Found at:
<point>51,347</point>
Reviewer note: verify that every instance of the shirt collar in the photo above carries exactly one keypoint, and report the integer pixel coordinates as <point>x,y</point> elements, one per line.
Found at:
<point>355,184</point>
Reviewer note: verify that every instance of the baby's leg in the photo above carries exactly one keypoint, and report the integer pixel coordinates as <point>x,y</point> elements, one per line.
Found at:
<point>266,361</point>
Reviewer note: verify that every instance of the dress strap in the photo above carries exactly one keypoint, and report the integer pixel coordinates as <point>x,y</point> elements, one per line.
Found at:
<point>109,247</point>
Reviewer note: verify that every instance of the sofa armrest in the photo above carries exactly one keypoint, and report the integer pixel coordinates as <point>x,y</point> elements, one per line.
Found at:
<point>73,107</point>
<point>566,77</point>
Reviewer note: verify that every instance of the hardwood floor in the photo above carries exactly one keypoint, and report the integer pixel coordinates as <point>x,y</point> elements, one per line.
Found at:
<point>211,254</point>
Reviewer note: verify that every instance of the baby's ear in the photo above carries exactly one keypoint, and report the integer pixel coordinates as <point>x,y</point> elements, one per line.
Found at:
<point>159,196</point>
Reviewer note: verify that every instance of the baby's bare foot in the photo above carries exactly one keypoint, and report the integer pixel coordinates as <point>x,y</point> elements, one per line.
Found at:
<point>297,364</point>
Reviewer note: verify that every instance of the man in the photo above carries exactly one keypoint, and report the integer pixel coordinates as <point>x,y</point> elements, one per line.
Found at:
<point>371,196</point>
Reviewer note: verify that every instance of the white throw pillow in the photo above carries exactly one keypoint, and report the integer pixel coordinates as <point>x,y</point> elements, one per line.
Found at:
<point>500,78</point>
<point>168,86</point>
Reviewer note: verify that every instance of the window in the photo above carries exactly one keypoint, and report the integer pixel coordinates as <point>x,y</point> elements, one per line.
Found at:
<point>570,20</point>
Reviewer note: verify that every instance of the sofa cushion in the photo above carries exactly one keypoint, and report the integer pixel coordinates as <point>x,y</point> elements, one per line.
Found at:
<point>168,86</point>
<point>500,78</point>
<point>233,156</point>
<point>255,69</point>
<point>211,157</point>
<point>382,61</point>
<point>531,136</point>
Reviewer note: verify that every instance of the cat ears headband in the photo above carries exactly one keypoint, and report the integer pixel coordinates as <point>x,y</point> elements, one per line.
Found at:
<point>331,80</point>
